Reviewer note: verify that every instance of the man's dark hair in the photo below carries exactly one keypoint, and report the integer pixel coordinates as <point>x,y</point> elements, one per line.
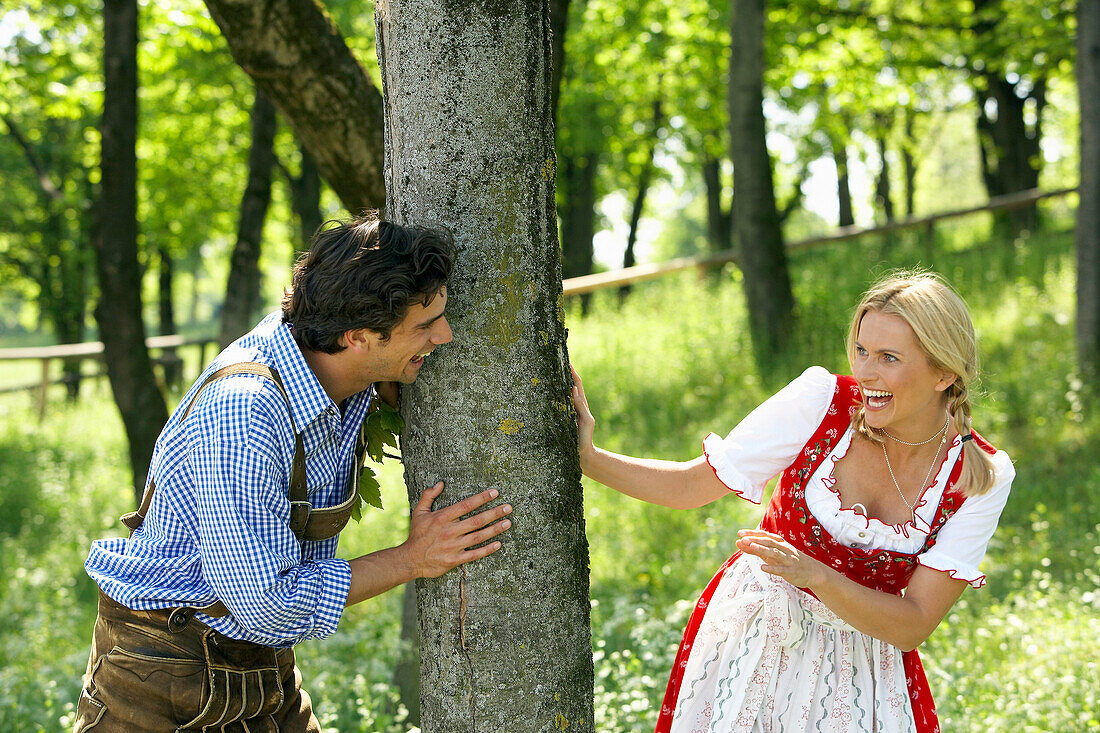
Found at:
<point>364,273</point>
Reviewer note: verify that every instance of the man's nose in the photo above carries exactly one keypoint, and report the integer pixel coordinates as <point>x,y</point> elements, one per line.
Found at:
<point>443,332</point>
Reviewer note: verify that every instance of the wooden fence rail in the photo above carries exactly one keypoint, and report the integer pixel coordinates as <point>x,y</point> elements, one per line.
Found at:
<point>571,286</point>
<point>88,350</point>
<point>638,273</point>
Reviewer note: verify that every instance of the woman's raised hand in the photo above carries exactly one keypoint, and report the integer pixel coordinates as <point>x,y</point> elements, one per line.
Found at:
<point>586,424</point>
<point>780,557</point>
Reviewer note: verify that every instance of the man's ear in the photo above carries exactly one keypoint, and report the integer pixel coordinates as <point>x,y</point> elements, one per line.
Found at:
<point>359,339</point>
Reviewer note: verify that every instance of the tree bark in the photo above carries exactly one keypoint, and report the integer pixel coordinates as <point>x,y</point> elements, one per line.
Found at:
<point>756,228</point>
<point>119,312</point>
<point>297,57</point>
<point>1088,210</point>
<point>469,145</point>
<point>242,293</point>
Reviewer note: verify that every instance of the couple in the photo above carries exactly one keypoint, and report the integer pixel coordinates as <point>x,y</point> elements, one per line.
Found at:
<point>229,564</point>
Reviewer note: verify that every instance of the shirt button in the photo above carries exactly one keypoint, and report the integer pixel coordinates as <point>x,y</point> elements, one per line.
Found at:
<point>862,535</point>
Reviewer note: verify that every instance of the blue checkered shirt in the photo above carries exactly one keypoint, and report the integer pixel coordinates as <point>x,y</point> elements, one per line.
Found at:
<point>218,527</point>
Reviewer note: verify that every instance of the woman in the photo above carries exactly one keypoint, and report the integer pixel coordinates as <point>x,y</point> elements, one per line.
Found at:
<point>884,487</point>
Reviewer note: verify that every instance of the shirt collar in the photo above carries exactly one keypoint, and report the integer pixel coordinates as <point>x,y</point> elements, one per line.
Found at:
<point>308,398</point>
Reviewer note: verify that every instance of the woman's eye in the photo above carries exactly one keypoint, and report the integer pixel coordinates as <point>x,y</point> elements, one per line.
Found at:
<point>861,351</point>
<point>889,357</point>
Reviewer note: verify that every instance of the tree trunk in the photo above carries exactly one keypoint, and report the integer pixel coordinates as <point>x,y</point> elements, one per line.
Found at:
<point>469,145</point>
<point>297,57</point>
<point>559,22</point>
<point>242,293</point>
<point>406,673</point>
<point>909,164</point>
<point>170,362</point>
<point>119,312</point>
<point>645,178</point>
<point>718,214</point>
<point>756,229</point>
<point>843,185</point>
<point>578,216</point>
<point>1088,210</point>
<point>882,183</point>
<point>305,201</point>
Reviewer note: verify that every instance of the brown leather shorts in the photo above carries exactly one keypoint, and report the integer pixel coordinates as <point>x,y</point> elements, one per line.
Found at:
<point>142,676</point>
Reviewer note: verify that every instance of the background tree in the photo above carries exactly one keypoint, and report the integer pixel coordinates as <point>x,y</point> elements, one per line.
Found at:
<point>505,641</point>
<point>242,292</point>
<point>119,312</point>
<point>1088,210</point>
<point>298,58</point>
<point>756,227</point>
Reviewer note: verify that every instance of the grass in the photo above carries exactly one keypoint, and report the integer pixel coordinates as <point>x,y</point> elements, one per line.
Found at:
<point>671,364</point>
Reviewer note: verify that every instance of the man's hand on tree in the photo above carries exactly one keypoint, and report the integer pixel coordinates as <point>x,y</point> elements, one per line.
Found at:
<point>441,540</point>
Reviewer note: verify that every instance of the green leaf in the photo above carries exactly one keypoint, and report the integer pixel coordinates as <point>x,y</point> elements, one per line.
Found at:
<point>370,490</point>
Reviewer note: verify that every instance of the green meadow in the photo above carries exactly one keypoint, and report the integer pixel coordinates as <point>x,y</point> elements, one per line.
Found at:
<point>662,368</point>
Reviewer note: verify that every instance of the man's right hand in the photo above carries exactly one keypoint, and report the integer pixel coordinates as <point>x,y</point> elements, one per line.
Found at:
<point>441,540</point>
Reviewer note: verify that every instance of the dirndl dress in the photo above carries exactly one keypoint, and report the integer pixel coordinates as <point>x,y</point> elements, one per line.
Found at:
<point>759,654</point>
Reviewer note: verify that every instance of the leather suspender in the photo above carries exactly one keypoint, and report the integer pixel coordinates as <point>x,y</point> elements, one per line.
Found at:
<point>330,520</point>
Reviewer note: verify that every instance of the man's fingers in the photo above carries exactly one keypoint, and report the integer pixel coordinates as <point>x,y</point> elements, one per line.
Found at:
<point>470,503</point>
<point>428,496</point>
<point>479,520</point>
<point>478,553</point>
<point>476,538</point>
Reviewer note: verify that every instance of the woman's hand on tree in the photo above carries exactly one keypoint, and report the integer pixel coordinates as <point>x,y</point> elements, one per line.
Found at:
<point>586,424</point>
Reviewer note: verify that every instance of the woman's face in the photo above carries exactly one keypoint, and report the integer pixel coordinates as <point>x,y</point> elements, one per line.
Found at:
<point>901,390</point>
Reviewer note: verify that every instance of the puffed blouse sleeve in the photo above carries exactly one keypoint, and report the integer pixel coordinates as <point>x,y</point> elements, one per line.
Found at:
<point>962,540</point>
<point>771,436</point>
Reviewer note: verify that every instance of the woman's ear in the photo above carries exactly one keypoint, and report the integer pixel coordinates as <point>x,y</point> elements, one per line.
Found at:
<point>946,380</point>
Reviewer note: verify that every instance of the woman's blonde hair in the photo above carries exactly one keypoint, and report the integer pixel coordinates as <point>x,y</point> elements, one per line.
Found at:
<point>941,321</point>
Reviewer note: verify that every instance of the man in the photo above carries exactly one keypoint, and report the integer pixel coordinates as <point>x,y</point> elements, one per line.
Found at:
<point>231,561</point>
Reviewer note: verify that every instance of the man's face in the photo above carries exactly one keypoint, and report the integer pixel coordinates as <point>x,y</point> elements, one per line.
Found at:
<point>399,358</point>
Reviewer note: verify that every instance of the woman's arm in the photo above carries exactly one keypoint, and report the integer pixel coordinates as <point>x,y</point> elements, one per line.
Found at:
<point>904,621</point>
<point>680,485</point>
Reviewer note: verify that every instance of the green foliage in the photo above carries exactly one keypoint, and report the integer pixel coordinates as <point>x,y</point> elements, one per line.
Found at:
<point>380,428</point>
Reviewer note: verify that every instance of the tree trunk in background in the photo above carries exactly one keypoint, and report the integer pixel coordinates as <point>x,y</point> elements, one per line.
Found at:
<point>578,216</point>
<point>718,214</point>
<point>406,673</point>
<point>119,312</point>
<point>843,185</point>
<point>882,184</point>
<point>242,293</point>
<point>756,230</point>
<point>1088,210</point>
<point>170,361</point>
<point>559,22</point>
<point>298,58</point>
<point>1008,146</point>
<point>645,178</point>
<point>505,641</point>
<point>909,164</point>
<point>305,201</point>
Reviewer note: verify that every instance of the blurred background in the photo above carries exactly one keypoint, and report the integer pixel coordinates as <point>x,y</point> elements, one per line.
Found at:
<point>881,121</point>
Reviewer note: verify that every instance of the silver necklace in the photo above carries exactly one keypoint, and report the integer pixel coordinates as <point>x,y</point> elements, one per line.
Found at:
<point>935,458</point>
<point>923,442</point>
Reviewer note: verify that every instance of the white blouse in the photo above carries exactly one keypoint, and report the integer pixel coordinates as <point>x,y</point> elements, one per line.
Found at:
<point>771,436</point>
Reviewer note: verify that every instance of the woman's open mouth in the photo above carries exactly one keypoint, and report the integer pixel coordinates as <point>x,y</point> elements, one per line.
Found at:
<point>876,399</point>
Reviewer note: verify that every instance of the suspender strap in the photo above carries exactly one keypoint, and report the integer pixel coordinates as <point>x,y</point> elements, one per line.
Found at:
<point>297,494</point>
